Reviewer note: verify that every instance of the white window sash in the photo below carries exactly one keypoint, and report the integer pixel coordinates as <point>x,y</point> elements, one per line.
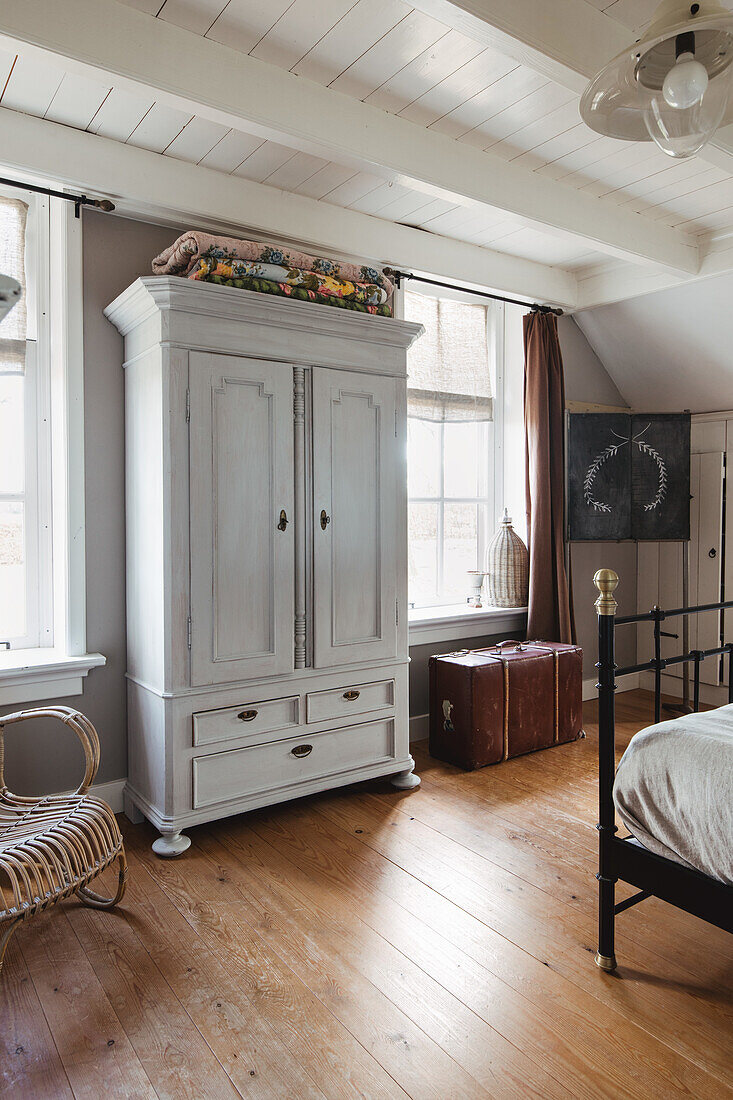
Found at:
<point>36,496</point>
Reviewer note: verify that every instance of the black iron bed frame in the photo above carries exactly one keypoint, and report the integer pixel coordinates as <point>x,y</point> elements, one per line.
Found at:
<point>622,857</point>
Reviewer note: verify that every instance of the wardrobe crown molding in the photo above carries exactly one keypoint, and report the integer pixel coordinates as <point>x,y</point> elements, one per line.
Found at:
<point>152,293</point>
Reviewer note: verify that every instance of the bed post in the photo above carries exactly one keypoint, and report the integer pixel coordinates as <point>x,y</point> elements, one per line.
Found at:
<point>606,581</point>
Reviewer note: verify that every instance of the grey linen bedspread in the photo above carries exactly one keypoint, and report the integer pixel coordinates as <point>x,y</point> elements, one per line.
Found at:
<point>674,790</point>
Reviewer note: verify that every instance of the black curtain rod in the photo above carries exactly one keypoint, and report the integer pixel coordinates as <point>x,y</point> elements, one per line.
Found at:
<point>535,307</point>
<point>78,200</point>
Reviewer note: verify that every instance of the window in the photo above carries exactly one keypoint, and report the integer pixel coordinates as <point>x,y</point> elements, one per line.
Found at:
<point>42,545</point>
<point>25,519</point>
<point>452,439</point>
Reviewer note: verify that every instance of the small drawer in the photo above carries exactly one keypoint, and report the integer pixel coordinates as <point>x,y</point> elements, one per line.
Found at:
<point>280,765</point>
<point>352,699</point>
<point>249,720</point>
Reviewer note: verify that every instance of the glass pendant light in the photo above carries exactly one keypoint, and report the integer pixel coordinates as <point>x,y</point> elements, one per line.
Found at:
<point>673,85</point>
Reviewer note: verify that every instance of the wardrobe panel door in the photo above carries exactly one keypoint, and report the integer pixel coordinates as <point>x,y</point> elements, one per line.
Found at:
<point>241,477</point>
<point>355,552</point>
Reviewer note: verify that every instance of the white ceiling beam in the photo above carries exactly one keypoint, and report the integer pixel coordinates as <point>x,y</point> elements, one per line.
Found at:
<point>613,282</point>
<point>169,191</point>
<point>215,82</point>
<point>568,41</point>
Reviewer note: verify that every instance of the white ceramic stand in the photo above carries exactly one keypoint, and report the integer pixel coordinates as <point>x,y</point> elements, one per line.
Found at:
<point>171,844</point>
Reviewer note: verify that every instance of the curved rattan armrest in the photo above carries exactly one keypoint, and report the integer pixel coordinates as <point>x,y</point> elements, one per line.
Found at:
<point>76,721</point>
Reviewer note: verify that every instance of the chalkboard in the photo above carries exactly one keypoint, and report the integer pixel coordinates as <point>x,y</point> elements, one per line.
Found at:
<point>629,476</point>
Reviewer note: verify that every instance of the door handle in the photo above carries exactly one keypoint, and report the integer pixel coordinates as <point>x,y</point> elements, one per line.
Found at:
<point>325,519</point>
<point>283,520</point>
<point>301,750</point>
<point>712,552</point>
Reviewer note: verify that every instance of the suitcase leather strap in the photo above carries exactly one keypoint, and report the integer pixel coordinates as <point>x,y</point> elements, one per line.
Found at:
<point>556,659</point>
<point>522,646</point>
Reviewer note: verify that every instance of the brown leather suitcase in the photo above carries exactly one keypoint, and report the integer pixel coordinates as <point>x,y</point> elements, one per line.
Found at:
<point>490,704</point>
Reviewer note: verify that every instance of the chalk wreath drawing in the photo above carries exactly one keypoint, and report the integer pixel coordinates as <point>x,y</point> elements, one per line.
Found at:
<point>610,452</point>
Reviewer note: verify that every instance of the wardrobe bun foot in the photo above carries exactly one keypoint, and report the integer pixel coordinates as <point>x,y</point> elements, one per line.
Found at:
<point>171,844</point>
<point>405,781</point>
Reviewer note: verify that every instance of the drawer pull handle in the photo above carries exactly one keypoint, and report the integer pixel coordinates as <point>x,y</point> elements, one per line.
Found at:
<point>351,695</point>
<point>301,750</point>
<point>247,715</point>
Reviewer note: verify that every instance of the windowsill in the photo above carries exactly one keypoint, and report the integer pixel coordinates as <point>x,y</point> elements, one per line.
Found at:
<point>27,675</point>
<point>458,621</point>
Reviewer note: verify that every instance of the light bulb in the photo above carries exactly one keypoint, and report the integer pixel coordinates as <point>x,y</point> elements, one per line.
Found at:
<point>686,82</point>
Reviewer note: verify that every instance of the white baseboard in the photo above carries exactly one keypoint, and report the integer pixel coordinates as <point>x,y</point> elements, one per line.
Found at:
<point>623,683</point>
<point>419,727</point>
<point>111,793</point>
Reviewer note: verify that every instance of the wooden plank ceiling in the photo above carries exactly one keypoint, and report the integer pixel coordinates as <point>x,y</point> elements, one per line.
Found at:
<point>407,63</point>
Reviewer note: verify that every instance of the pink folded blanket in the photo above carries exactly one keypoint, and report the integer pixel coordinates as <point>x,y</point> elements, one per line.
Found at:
<point>194,245</point>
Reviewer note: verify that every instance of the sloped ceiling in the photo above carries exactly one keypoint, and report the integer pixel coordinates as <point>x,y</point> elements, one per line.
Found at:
<point>669,351</point>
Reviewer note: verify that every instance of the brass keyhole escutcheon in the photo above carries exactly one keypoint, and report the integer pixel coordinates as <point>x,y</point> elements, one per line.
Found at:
<point>301,751</point>
<point>325,519</point>
<point>283,520</point>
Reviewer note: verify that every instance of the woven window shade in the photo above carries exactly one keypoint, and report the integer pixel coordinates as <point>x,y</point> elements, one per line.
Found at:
<point>448,374</point>
<point>13,214</point>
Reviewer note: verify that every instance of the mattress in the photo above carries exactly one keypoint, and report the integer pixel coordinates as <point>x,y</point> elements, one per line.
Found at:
<point>674,791</point>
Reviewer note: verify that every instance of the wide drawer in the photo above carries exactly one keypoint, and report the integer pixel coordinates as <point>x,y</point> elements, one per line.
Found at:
<point>352,699</point>
<point>250,720</point>
<point>277,765</point>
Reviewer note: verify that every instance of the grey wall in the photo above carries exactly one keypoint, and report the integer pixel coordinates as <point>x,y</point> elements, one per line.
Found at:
<point>45,758</point>
<point>587,380</point>
<point>670,350</point>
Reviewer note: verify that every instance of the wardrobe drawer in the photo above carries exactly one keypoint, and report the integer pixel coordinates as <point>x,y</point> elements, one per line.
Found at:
<point>249,720</point>
<point>351,699</point>
<point>279,765</point>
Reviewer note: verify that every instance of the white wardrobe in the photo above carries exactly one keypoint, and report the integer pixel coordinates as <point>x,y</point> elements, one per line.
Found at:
<point>266,550</point>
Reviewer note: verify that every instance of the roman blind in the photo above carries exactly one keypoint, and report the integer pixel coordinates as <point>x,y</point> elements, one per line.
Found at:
<point>448,376</point>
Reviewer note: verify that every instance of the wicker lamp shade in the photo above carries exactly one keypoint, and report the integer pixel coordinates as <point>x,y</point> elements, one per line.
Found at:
<point>507,567</point>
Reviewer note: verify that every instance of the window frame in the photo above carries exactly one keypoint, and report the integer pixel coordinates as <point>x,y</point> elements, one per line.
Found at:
<point>494,498</point>
<point>57,666</point>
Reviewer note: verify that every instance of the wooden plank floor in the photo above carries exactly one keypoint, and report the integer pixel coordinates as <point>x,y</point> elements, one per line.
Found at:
<point>436,944</point>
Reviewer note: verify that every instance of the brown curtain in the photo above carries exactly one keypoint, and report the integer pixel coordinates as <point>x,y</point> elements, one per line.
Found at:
<point>550,612</point>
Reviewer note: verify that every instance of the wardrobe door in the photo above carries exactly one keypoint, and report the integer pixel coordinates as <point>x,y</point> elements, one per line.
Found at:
<point>241,497</point>
<point>355,533</point>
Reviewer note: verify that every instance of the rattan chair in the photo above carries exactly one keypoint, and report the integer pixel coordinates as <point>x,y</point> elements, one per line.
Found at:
<point>54,846</point>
